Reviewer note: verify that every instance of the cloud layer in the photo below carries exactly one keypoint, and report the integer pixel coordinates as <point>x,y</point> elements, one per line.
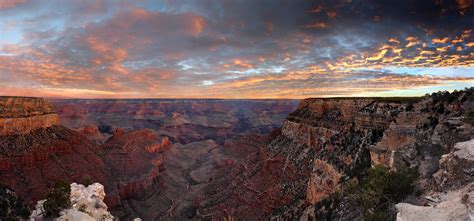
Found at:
<point>234,49</point>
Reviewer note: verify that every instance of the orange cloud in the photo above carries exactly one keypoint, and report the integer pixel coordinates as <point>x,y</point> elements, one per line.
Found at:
<point>197,25</point>
<point>318,9</point>
<point>414,54</point>
<point>317,25</point>
<point>5,4</point>
<point>331,14</point>
<point>239,63</point>
<point>439,40</point>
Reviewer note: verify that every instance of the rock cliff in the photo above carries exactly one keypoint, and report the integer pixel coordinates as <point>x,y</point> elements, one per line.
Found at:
<point>453,199</point>
<point>36,155</point>
<point>325,143</point>
<point>20,115</point>
<point>221,164</point>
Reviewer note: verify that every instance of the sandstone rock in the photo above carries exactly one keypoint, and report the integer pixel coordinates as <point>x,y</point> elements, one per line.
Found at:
<point>323,182</point>
<point>451,206</point>
<point>457,167</point>
<point>20,115</point>
<point>86,205</point>
<point>89,200</point>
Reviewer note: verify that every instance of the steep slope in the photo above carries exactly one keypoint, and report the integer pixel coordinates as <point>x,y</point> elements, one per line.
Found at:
<point>34,159</point>
<point>19,115</point>
<point>37,152</point>
<point>298,171</point>
<point>326,142</point>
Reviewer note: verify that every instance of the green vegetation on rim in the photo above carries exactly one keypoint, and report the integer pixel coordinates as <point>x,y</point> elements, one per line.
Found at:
<point>12,208</point>
<point>377,194</point>
<point>57,200</point>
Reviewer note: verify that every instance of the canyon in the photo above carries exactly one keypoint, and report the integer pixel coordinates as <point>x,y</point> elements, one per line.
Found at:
<point>241,159</point>
<point>181,120</point>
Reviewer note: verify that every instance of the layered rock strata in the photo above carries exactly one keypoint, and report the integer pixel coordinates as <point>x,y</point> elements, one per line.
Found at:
<point>20,115</point>
<point>183,120</point>
<point>326,142</point>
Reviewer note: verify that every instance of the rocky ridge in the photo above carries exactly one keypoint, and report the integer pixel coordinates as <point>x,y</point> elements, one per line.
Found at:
<point>20,115</point>
<point>295,172</point>
<point>34,159</point>
<point>326,142</point>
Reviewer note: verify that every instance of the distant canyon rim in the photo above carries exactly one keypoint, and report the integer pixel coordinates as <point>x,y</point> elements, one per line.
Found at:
<point>175,159</point>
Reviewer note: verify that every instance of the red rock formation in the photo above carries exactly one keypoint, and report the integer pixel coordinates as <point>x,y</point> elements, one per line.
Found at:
<point>323,182</point>
<point>185,120</point>
<point>327,141</point>
<point>39,154</point>
<point>135,160</point>
<point>20,115</point>
<point>50,155</point>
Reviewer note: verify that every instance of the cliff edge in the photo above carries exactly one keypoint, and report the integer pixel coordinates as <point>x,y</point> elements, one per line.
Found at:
<point>20,115</point>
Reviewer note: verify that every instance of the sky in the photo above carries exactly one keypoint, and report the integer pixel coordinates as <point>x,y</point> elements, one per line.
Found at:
<point>234,48</point>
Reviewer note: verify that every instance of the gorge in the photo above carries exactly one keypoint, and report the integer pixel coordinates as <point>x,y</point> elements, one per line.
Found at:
<point>243,159</point>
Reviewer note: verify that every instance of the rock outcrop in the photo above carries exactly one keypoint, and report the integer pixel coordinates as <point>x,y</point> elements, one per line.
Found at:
<point>32,163</point>
<point>457,167</point>
<point>452,205</point>
<point>87,204</point>
<point>326,142</point>
<point>34,159</point>
<point>20,115</point>
<point>453,195</point>
<point>221,165</point>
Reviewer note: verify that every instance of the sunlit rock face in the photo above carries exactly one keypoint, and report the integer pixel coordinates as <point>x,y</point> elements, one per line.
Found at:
<point>323,181</point>
<point>20,115</point>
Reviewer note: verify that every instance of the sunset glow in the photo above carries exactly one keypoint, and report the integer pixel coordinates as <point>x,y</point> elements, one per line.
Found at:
<point>234,49</point>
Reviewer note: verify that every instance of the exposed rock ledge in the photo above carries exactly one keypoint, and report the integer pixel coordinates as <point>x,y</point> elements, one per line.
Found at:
<point>456,172</point>
<point>457,167</point>
<point>453,205</point>
<point>20,115</point>
<point>87,204</point>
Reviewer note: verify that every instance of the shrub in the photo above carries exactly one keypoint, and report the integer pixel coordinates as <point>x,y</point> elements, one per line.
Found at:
<point>381,190</point>
<point>469,117</point>
<point>86,181</point>
<point>57,200</point>
<point>11,207</point>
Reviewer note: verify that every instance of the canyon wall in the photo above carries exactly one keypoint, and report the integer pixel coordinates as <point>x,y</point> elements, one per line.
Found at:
<point>120,143</point>
<point>182,120</point>
<point>20,115</point>
<point>325,143</point>
<point>36,153</point>
<point>209,159</point>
